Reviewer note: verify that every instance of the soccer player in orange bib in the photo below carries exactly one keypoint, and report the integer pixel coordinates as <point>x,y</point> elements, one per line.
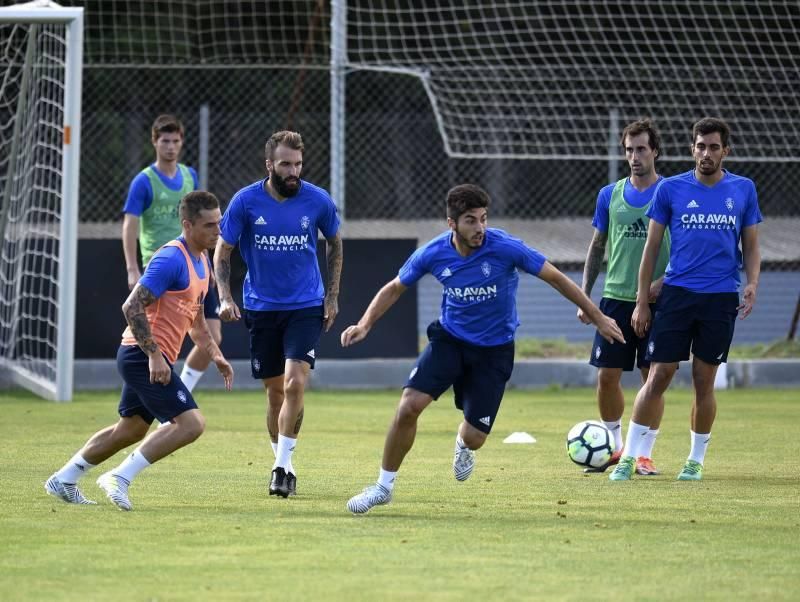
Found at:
<point>163,307</point>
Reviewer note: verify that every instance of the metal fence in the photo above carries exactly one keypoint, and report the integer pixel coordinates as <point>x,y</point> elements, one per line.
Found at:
<point>258,67</point>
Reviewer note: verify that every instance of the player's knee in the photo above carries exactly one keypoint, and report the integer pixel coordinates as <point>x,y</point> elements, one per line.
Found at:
<point>473,437</point>
<point>608,379</point>
<point>294,387</point>
<point>192,426</point>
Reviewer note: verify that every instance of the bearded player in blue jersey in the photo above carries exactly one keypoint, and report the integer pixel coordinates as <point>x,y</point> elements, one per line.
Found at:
<point>471,345</point>
<point>275,223</point>
<point>708,211</point>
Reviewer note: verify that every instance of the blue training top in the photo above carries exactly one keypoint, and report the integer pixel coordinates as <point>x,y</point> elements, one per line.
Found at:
<point>167,270</point>
<point>706,226</point>
<point>479,302</point>
<point>278,242</point>
<point>632,196</point>
<point>140,193</point>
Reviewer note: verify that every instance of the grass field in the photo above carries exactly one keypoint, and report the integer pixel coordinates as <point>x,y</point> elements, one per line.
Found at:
<point>527,525</point>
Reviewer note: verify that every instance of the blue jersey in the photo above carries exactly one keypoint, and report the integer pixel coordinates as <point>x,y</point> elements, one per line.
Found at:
<point>167,270</point>
<point>140,193</point>
<point>479,300</point>
<point>706,225</point>
<point>632,196</point>
<point>278,242</point>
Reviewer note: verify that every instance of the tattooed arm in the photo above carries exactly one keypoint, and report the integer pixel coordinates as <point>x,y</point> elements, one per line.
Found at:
<point>134,311</point>
<point>201,336</point>
<point>228,310</point>
<point>335,257</point>
<point>594,263</point>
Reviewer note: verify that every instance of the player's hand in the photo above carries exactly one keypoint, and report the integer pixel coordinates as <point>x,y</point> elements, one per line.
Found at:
<point>133,277</point>
<point>226,370</point>
<point>583,317</point>
<point>331,311</point>
<point>610,330</point>
<point>229,311</point>
<point>353,334</point>
<point>748,301</point>
<point>640,320</point>
<point>655,290</point>
<point>160,372</point>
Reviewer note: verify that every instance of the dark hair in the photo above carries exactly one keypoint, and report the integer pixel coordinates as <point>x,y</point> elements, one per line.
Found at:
<point>291,139</point>
<point>166,124</point>
<point>464,197</point>
<point>709,125</point>
<point>195,202</point>
<point>642,126</point>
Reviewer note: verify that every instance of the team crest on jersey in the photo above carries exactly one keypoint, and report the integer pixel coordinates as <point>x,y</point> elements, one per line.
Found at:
<point>305,222</point>
<point>729,203</point>
<point>181,396</point>
<point>486,268</point>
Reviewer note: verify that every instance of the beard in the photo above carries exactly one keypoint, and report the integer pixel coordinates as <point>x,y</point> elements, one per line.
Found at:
<point>707,168</point>
<point>286,187</point>
<point>471,243</point>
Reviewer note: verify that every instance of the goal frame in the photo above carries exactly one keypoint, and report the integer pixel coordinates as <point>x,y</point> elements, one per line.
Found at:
<point>45,12</point>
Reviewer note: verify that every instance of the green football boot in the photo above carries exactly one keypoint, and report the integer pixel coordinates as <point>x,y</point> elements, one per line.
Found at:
<point>624,470</point>
<point>692,471</point>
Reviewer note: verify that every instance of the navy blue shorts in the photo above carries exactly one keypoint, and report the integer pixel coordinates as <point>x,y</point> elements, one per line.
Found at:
<point>211,304</point>
<point>685,321</point>
<point>617,355</point>
<point>142,398</point>
<point>477,374</point>
<point>276,336</point>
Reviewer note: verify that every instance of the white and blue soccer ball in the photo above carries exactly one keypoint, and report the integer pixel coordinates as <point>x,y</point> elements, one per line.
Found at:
<point>590,443</point>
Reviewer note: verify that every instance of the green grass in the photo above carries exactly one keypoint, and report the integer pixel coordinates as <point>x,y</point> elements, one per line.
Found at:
<point>527,525</point>
<point>532,348</point>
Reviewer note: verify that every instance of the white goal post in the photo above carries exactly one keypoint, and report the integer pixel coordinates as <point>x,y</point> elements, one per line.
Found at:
<point>41,57</point>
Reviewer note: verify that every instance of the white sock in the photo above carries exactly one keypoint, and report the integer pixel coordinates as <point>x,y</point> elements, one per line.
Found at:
<point>615,426</point>
<point>635,438</point>
<point>648,442</point>
<point>699,446</point>
<point>386,479</point>
<point>190,376</point>
<point>74,469</point>
<point>131,466</point>
<point>283,458</point>
<point>289,468</point>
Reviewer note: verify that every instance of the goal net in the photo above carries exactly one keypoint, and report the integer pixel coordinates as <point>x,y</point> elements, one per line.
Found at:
<point>543,79</point>
<point>40,63</point>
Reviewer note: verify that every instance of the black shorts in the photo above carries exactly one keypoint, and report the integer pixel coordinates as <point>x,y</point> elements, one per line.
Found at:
<point>211,304</point>
<point>276,336</point>
<point>140,397</point>
<point>686,321</point>
<point>477,374</point>
<point>617,355</point>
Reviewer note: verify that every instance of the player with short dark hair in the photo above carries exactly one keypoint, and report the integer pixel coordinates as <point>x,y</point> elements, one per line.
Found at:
<point>471,345</point>
<point>620,224</point>
<point>708,211</point>
<point>163,307</point>
<point>151,216</point>
<point>275,222</point>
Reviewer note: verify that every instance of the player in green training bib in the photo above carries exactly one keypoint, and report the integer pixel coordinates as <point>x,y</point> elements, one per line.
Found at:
<point>151,217</point>
<point>621,223</point>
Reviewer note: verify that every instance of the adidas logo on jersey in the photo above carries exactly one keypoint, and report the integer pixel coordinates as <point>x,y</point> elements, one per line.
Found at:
<point>692,204</point>
<point>446,273</point>
<point>487,420</point>
<point>311,354</point>
<point>261,221</point>
<point>622,209</point>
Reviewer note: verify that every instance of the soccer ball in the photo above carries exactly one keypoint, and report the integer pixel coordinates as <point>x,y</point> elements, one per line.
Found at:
<point>590,443</point>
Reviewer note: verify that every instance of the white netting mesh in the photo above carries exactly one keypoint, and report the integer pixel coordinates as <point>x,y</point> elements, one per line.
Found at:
<point>538,79</point>
<point>31,122</point>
